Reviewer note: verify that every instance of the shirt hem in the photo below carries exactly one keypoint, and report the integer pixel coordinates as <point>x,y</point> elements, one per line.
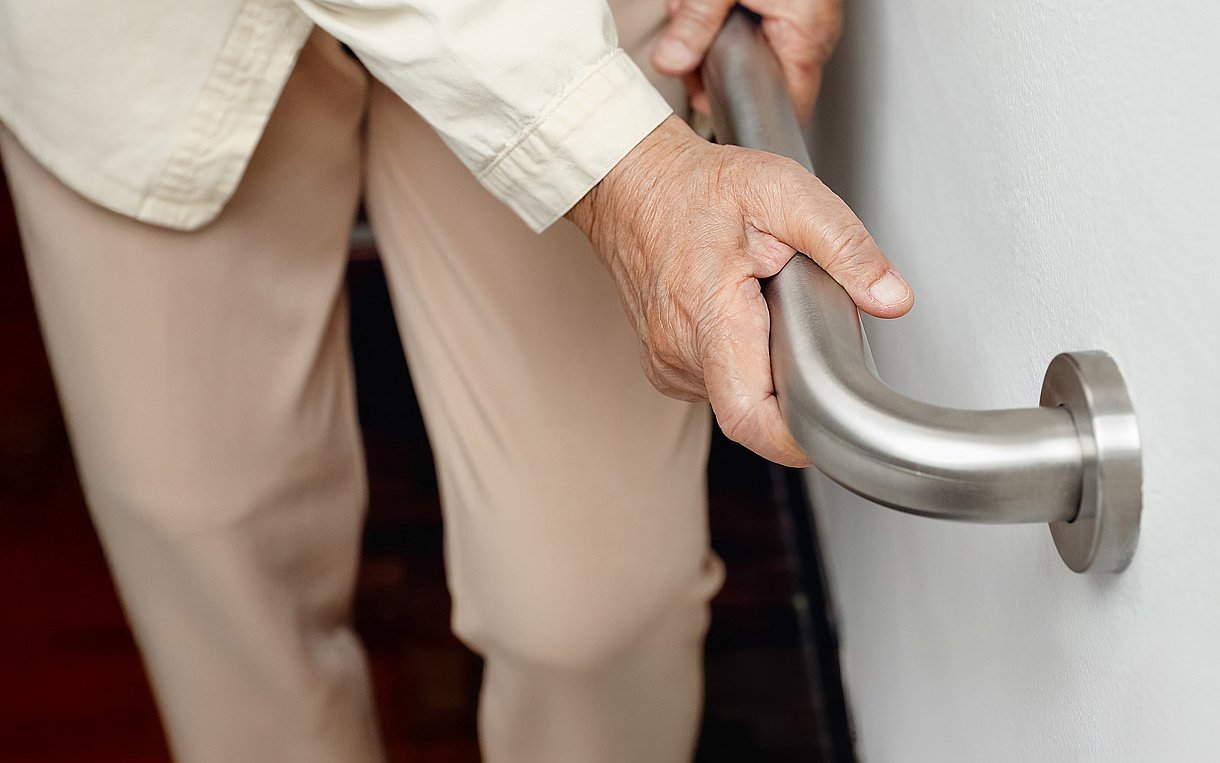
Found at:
<point>227,121</point>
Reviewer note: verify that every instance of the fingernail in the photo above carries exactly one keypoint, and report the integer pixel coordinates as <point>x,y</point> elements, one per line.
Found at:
<point>672,54</point>
<point>890,290</point>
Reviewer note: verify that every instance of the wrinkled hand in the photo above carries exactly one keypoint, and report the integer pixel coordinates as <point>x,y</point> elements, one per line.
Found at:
<point>687,228</point>
<point>801,32</point>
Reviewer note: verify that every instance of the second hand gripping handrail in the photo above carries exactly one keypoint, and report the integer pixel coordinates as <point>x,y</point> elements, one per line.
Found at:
<point>1074,461</point>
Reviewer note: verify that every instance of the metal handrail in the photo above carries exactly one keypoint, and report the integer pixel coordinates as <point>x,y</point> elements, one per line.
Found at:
<point>1073,462</point>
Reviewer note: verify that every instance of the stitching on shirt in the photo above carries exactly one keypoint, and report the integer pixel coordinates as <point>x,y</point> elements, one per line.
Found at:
<point>540,210</point>
<point>227,108</point>
<point>595,177</point>
<point>551,108</point>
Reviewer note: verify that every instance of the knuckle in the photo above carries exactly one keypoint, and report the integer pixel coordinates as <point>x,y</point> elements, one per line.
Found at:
<point>702,18</point>
<point>667,379</point>
<point>806,68</point>
<point>659,375</point>
<point>661,344</point>
<point>736,421</point>
<point>802,43</point>
<point>849,251</point>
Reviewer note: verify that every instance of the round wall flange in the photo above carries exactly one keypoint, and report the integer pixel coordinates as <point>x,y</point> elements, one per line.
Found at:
<point>1104,533</point>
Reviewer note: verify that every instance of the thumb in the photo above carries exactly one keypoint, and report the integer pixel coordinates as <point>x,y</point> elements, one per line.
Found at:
<point>803,213</point>
<point>692,27</point>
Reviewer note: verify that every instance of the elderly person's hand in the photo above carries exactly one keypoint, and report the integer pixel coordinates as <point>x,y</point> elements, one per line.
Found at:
<point>687,228</point>
<point>801,32</point>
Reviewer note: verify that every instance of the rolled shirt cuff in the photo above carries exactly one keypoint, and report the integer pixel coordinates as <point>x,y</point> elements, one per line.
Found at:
<point>555,161</point>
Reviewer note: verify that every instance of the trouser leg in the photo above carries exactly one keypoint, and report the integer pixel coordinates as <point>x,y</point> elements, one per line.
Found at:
<point>208,392</point>
<point>575,518</point>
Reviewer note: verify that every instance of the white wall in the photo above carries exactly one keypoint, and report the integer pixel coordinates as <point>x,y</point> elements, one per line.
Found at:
<point>1047,174</point>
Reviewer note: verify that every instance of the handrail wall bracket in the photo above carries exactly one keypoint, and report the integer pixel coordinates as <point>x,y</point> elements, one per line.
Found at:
<point>1104,533</point>
<point>1073,461</point>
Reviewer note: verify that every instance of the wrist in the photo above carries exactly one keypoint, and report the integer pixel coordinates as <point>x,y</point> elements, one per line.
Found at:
<point>627,187</point>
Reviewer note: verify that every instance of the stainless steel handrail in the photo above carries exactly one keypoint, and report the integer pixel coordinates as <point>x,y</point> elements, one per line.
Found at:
<point>1073,462</point>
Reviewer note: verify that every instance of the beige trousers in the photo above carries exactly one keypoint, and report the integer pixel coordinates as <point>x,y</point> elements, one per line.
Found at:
<point>207,385</point>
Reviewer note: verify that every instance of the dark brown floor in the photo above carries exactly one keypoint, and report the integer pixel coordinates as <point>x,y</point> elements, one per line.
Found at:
<point>71,684</point>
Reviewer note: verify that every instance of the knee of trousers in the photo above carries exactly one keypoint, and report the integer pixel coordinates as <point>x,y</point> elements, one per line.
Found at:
<point>570,572</point>
<point>582,624</point>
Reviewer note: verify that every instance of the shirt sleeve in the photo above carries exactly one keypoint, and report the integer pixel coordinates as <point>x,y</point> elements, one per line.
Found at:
<point>534,96</point>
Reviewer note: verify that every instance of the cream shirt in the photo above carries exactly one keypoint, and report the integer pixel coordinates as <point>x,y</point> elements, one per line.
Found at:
<point>153,108</point>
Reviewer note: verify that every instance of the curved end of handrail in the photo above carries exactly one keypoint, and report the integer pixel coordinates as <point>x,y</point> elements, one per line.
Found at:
<point>1008,467</point>
<point>1073,461</point>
